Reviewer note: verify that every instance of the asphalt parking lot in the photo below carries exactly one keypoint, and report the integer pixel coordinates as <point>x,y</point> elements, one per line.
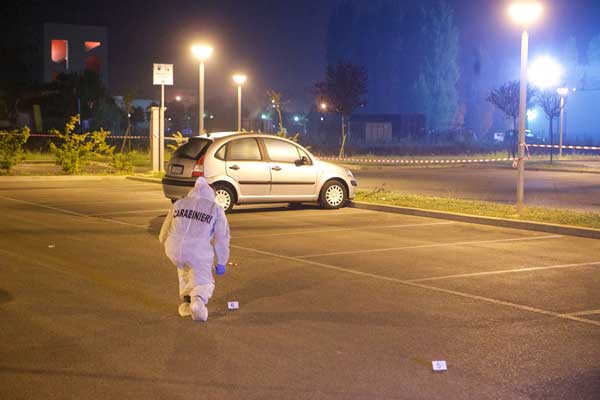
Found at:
<point>347,304</point>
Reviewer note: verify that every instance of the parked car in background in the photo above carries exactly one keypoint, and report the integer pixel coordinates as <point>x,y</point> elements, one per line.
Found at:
<point>499,137</point>
<point>507,137</point>
<point>246,168</point>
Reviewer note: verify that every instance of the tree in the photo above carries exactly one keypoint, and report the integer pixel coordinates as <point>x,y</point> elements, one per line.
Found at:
<point>549,101</point>
<point>570,61</point>
<point>275,98</point>
<point>593,50</point>
<point>175,114</point>
<point>106,115</point>
<point>137,116</point>
<point>592,70</point>
<point>435,88</point>
<point>507,99</point>
<point>343,90</point>
<point>476,81</point>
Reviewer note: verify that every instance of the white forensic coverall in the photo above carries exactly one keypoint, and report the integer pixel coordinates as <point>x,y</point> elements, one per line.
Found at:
<point>188,232</point>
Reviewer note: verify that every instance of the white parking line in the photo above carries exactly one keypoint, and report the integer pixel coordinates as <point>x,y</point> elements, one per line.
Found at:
<point>71,212</point>
<point>505,271</point>
<point>128,212</point>
<point>43,206</point>
<point>289,213</point>
<point>422,286</point>
<point>131,201</point>
<point>427,246</point>
<point>362,228</point>
<point>580,313</point>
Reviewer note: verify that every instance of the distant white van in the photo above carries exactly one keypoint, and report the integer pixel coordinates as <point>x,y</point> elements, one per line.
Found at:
<point>501,137</point>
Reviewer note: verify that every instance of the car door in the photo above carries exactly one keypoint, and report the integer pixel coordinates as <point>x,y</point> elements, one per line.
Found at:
<point>293,174</point>
<point>246,165</point>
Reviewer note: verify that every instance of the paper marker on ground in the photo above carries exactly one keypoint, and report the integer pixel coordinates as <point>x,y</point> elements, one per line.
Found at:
<point>233,305</point>
<point>50,246</point>
<point>439,365</point>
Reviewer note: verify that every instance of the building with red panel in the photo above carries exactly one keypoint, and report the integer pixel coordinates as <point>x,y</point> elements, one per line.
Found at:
<point>74,48</point>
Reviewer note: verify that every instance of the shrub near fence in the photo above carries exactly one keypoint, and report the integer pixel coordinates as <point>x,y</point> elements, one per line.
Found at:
<point>11,147</point>
<point>76,149</point>
<point>41,142</point>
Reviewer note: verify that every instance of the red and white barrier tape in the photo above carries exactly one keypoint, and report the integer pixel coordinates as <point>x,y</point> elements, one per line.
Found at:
<point>556,146</point>
<point>109,136</point>
<point>435,161</point>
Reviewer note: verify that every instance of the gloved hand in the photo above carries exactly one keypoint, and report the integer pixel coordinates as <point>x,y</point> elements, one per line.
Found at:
<point>220,269</point>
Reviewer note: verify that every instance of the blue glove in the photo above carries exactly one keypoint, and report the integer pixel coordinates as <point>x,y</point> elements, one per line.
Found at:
<point>220,269</point>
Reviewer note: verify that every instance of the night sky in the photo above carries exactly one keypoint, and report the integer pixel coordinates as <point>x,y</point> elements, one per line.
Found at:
<point>279,44</point>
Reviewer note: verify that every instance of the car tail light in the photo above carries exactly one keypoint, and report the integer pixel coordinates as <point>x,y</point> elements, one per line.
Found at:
<point>198,169</point>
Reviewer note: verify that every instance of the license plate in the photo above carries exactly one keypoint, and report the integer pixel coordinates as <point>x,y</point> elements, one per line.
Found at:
<point>176,169</point>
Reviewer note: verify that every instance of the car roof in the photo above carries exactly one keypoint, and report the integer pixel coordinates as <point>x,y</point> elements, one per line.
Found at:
<point>216,135</point>
<point>222,135</point>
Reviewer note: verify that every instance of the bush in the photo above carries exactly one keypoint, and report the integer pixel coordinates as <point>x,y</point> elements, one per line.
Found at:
<point>11,147</point>
<point>77,149</point>
<point>179,140</point>
<point>123,162</point>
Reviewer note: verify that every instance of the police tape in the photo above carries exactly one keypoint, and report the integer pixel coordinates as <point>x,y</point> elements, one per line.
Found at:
<point>108,136</point>
<point>425,161</point>
<point>556,146</point>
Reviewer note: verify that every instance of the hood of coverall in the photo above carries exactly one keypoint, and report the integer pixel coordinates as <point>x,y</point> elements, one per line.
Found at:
<point>202,190</point>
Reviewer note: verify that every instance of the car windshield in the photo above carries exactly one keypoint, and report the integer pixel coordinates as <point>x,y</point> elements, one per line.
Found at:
<point>193,149</point>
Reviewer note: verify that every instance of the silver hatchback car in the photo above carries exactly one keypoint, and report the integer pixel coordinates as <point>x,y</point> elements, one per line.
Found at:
<point>246,168</point>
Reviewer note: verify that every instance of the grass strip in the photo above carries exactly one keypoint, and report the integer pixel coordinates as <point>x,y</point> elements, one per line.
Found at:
<point>481,208</point>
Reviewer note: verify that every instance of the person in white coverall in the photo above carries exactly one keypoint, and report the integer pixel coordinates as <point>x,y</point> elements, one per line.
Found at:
<point>188,233</point>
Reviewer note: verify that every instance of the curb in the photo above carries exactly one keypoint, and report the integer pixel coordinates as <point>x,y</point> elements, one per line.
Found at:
<point>458,165</point>
<point>28,178</point>
<point>573,171</point>
<point>474,219</point>
<point>143,179</point>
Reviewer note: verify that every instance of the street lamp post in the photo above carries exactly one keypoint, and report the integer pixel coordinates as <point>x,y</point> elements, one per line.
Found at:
<point>239,80</point>
<point>524,14</point>
<point>563,93</point>
<point>202,53</point>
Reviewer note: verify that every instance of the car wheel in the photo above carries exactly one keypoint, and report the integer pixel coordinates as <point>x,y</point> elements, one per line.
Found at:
<point>333,195</point>
<point>224,196</point>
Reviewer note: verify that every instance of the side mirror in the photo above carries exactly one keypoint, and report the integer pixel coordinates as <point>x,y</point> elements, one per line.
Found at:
<point>301,161</point>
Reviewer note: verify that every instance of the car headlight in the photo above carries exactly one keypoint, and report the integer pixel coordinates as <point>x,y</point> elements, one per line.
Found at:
<point>349,174</point>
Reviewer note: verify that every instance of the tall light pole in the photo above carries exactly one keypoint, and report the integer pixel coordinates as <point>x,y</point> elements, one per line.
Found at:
<point>239,80</point>
<point>202,53</point>
<point>563,92</point>
<point>523,14</point>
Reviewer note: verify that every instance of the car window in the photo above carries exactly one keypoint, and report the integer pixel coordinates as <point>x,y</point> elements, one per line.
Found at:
<point>244,150</point>
<point>304,154</point>
<point>220,154</point>
<point>192,149</point>
<point>282,151</point>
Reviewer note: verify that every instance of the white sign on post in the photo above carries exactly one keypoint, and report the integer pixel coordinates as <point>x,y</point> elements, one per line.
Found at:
<point>439,365</point>
<point>163,74</point>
